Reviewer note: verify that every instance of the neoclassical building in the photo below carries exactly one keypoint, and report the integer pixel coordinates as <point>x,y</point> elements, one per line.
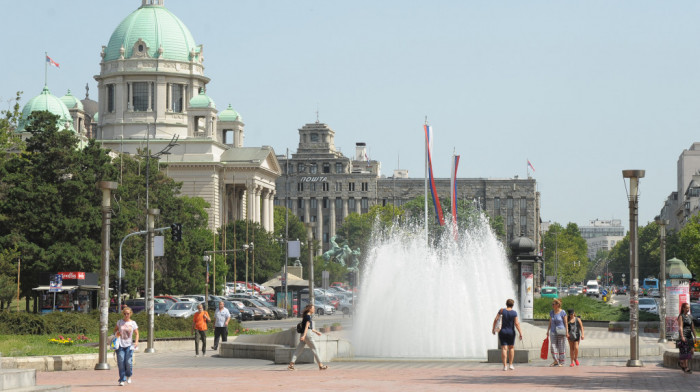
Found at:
<point>152,91</point>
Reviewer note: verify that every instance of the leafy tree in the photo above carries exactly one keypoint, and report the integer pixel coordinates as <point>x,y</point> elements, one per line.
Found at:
<point>689,242</point>
<point>8,124</point>
<point>565,252</point>
<point>8,290</point>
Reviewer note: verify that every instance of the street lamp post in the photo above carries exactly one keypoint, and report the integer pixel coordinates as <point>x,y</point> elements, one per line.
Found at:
<point>107,187</point>
<point>662,278</point>
<point>633,199</point>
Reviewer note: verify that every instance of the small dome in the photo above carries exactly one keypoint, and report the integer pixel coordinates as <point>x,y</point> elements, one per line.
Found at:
<point>522,245</point>
<point>96,117</point>
<point>229,115</point>
<point>71,101</point>
<point>46,102</point>
<point>202,101</point>
<point>155,27</point>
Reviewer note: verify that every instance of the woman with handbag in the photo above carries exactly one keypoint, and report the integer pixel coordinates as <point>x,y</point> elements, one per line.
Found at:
<point>506,333</point>
<point>558,333</point>
<point>127,333</point>
<point>575,335</point>
<point>686,342</point>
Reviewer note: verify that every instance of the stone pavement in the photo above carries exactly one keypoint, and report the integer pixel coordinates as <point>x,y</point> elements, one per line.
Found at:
<point>181,371</point>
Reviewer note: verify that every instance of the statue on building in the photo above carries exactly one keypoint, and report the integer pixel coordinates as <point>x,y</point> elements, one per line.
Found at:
<point>343,254</point>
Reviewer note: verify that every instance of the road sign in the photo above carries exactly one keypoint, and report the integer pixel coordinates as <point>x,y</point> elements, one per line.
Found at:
<point>56,283</point>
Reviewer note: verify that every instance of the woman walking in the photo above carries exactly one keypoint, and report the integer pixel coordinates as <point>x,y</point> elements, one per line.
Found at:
<point>506,336</point>
<point>307,338</point>
<point>687,338</point>
<point>558,333</point>
<point>575,335</point>
<point>127,333</point>
<point>199,328</point>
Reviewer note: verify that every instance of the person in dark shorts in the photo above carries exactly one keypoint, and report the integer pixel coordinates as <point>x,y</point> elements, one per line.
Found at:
<point>575,335</point>
<point>686,339</point>
<point>506,335</point>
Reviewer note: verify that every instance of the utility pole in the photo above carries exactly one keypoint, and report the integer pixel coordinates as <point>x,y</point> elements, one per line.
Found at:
<point>106,187</point>
<point>150,302</point>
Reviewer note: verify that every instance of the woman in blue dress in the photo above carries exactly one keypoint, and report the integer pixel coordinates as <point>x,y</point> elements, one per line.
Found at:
<point>506,335</point>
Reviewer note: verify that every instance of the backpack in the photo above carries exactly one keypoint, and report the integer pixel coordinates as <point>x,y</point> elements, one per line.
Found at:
<point>300,328</point>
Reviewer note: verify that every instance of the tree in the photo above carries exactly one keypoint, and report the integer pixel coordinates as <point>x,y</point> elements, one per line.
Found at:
<point>565,253</point>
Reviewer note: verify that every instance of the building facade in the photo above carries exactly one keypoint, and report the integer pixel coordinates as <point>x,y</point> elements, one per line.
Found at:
<point>322,186</point>
<point>602,235</point>
<point>684,202</point>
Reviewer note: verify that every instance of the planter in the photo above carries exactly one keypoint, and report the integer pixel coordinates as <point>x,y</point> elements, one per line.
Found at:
<point>615,329</point>
<point>325,329</point>
<point>336,327</point>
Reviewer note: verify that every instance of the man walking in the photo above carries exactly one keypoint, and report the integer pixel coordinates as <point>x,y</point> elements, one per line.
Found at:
<point>199,328</point>
<point>221,318</point>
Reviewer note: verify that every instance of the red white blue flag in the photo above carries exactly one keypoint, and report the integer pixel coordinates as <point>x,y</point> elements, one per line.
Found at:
<point>433,190</point>
<point>530,164</point>
<point>453,193</point>
<point>51,62</point>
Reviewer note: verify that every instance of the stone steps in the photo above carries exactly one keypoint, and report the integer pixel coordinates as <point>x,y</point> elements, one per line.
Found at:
<point>20,380</point>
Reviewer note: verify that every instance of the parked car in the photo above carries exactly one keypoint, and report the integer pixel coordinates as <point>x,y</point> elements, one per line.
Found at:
<point>695,313</point>
<point>233,309</point>
<point>196,297</point>
<point>654,293</point>
<point>246,313</point>
<point>136,304</point>
<point>648,305</point>
<point>267,312</point>
<point>549,292</point>
<point>183,309</point>
<point>161,306</point>
<point>279,312</point>
<point>168,298</point>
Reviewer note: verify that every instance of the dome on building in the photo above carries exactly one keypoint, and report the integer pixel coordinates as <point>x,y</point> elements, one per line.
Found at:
<point>202,101</point>
<point>157,29</point>
<point>49,102</point>
<point>71,102</point>
<point>96,117</point>
<point>229,115</point>
<point>89,105</point>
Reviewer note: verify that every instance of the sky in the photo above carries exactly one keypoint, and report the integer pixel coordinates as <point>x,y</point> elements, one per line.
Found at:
<point>583,89</point>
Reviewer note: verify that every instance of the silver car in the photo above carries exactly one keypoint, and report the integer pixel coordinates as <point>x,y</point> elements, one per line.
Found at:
<point>183,309</point>
<point>648,305</point>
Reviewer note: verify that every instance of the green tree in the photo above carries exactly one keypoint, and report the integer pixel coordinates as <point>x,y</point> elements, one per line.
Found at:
<point>565,253</point>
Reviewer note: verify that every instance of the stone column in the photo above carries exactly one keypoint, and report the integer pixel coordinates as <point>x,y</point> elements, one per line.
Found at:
<point>358,206</point>
<point>345,208</point>
<point>295,203</point>
<point>250,202</point>
<point>256,203</point>
<point>271,215</point>
<point>319,221</point>
<point>331,217</point>
<point>307,214</point>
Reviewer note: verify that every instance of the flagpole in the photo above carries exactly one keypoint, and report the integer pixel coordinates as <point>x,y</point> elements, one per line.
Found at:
<point>46,68</point>
<point>426,181</point>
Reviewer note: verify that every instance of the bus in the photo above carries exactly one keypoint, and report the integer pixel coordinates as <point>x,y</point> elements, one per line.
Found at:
<point>650,284</point>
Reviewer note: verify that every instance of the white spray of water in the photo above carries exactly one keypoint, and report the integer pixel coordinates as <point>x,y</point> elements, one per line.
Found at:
<point>418,301</point>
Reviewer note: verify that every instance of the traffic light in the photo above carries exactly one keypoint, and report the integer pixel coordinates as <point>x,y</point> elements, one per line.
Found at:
<point>176,232</point>
<point>125,286</point>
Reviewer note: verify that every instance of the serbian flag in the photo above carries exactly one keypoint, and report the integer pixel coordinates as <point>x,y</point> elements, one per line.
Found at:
<point>433,190</point>
<point>51,62</point>
<point>530,164</point>
<point>453,191</point>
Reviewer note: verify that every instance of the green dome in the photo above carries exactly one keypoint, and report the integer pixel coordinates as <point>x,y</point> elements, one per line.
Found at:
<point>157,27</point>
<point>71,101</point>
<point>96,117</point>
<point>49,102</point>
<point>202,101</point>
<point>230,115</point>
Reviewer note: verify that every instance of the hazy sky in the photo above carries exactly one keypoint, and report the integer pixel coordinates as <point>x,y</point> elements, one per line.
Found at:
<point>584,89</point>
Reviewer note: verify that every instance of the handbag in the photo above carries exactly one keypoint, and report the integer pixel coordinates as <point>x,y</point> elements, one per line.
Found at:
<point>560,331</point>
<point>499,321</point>
<point>544,351</point>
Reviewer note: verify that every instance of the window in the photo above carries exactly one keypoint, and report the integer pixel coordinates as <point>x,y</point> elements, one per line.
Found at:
<point>325,237</point>
<point>290,203</point>
<point>326,167</point>
<point>313,218</point>
<point>291,168</point>
<point>523,222</point>
<point>140,95</point>
<point>312,187</point>
<point>338,168</point>
<point>365,187</point>
<point>326,187</point>
<point>351,204</point>
<point>300,187</point>
<point>338,203</point>
<point>523,204</point>
<point>351,186</point>
<point>313,204</point>
<point>364,203</point>
<point>314,137</point>
<point>338,186</point>
<point>326,202</point>
<point>177,97</point>
<point>509,203</point>
<point>313,168</point>
<point>300,203</point>
<point>301,168</point>
<point>110,98</point>
<point>510,220</point>
<point>496,204</point>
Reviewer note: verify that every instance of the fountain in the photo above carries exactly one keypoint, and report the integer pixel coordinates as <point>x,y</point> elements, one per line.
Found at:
<point>418,301</point>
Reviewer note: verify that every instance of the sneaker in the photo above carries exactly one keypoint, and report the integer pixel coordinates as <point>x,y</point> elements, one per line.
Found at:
<point>511,367</point>
<point>213,347</point>
<point>505,368</point>
<point>572,364</point>
<point>196,355</point>
<point>121,383</point>
<point>128,380</point>
<point>577,362</point>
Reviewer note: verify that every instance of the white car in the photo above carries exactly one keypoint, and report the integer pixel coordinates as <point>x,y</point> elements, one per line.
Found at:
<point>648,305</point>
<point>183,309</point>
